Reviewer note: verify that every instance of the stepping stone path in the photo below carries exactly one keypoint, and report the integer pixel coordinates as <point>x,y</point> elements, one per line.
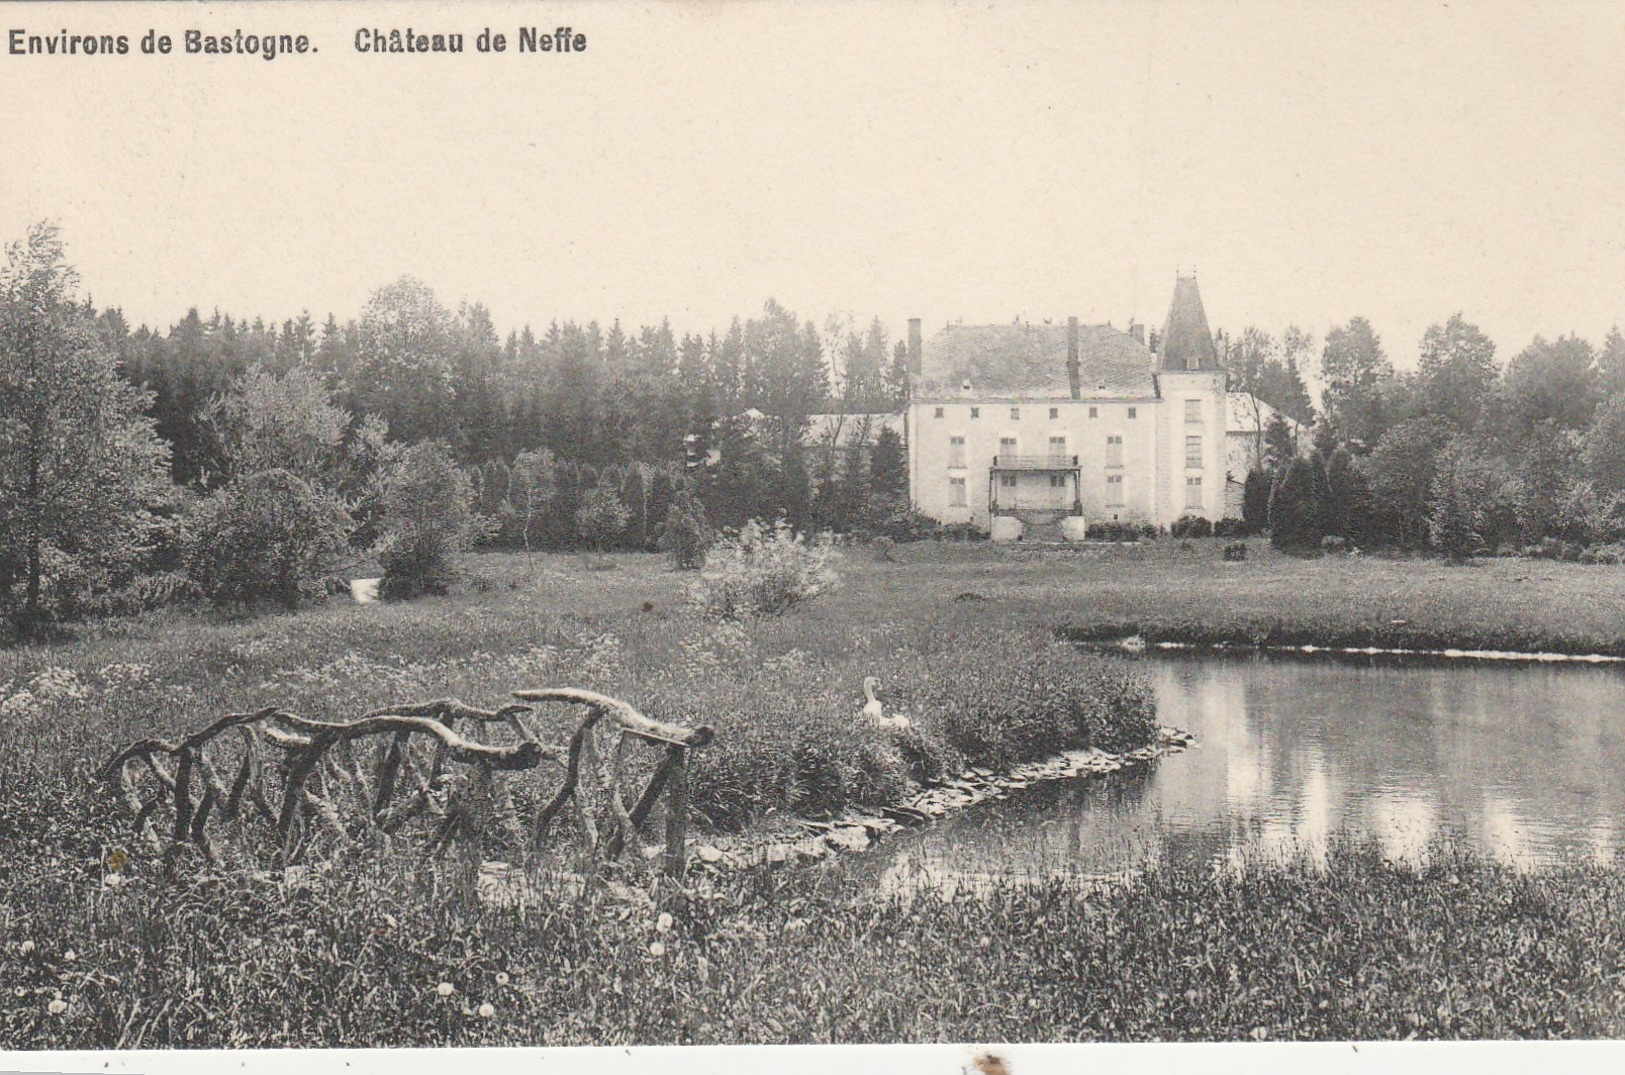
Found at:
<point>855,832</point>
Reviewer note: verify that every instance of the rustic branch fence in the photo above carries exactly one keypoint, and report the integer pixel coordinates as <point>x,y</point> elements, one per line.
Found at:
<point>401,766</point>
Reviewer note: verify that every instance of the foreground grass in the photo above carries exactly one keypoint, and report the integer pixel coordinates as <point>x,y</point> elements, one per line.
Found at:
<point>1363,950</point>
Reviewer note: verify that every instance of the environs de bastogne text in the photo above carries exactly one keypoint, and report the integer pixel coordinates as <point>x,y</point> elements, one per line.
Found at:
<point>23,42</point>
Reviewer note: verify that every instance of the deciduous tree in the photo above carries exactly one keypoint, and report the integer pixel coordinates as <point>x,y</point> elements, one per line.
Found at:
<point>81,467</point>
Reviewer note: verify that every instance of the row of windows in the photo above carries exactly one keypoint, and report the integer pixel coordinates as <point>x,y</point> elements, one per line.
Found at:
<point>1055,412</point>
<point>1193,412</point>
<point>1115,495</point>
<point>1057,447</point>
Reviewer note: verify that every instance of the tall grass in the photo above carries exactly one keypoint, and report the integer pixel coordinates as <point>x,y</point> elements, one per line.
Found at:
<point>376,953</point>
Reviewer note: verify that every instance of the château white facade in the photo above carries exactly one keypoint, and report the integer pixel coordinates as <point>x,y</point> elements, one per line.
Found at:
<point>1039,422</point>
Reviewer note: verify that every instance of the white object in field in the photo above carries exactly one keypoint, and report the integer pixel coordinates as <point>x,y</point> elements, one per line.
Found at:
<point>1074,528</point>
<point>872,709</point>
<point>365,591</point>
<point>875,712</point>
<point>1007,528</point>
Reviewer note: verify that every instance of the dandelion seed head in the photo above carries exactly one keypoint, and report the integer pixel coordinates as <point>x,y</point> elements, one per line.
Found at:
<point>445,989</point>
<point>657,949</point>
<point>502,977</point>
<point>57,1007</point>
<point>663,923</point>
<point>486,1011</point>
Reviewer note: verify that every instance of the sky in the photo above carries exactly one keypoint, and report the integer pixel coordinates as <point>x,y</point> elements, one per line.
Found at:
<point>948,161</point>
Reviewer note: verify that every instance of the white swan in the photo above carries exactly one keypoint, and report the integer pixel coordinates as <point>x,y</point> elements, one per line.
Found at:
<point>875,711</point>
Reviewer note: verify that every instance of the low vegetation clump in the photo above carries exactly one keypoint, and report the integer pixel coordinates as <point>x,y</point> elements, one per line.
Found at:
<point>1191,526</point>
<point>375,954</point>
<point>764,571</point>
<point>686,537</point>
<point>268,537</point>
<point>427,522</point>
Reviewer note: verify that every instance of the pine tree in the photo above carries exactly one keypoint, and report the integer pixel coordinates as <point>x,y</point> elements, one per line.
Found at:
<point>1295,509</point>
<point>1255,501</point>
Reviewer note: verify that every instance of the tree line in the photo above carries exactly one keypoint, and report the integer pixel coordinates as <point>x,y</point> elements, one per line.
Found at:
<point>1462,455</point>
<point>251,461</point>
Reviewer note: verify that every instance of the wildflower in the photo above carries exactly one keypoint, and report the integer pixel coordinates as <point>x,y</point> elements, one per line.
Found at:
<point>657,949</point>
<point>486,1011</point>
<point>445,989</point>
<point>663,923</point>
<point>28,946</point>
<point>57,1006</point>
<point>502,977</point>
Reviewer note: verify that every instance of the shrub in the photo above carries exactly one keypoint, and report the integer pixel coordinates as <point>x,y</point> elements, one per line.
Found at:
<point>761,571</point>
<point>268,537</point>
<point>1191,526</point>
<point>1235,551</point>
<point>686,537</point>
<point>901,522</point>
<point>428,519</point>
<point>602,518</point>
<point>1113,531</point>
<point>1230,527</point>
<point>961,532</point>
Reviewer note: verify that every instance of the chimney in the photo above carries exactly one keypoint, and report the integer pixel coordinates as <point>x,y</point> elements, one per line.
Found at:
<point>914,346</point>
<point>1074,372</point>
<point>1137,330</point>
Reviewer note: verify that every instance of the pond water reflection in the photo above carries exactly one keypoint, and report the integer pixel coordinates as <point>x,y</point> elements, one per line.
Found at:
<point>1525,762</point>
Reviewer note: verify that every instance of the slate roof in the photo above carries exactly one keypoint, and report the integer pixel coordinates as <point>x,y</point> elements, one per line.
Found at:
<point>1242,415</point>
<point>1185,334</point>
<point>1027,361</point>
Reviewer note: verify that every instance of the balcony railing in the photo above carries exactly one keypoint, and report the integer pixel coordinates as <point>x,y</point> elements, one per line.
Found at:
<point>1035,462</point>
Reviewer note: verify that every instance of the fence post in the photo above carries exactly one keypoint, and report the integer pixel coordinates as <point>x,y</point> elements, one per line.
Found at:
<point>677,816</point>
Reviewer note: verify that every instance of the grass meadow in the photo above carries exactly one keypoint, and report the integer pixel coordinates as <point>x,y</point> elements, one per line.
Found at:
<point>386,948</point>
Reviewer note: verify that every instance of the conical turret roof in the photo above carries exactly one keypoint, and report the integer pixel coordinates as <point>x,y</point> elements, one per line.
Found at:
<point>1187,342</point>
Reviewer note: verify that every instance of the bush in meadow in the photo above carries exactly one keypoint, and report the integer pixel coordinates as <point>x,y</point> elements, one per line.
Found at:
<point>428,518</point>
<point>686,537</point>
<point>762,571</point>
<point>268,537</point>
<point>602,518</point>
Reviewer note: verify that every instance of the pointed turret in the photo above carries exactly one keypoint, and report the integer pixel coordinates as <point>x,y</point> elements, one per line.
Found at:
<point>1187,343</point>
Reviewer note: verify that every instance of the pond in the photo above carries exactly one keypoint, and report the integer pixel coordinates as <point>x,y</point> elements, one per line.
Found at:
<point>1526,762</point>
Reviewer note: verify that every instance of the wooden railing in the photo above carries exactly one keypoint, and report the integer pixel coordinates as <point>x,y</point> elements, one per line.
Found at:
<point>392,766</point>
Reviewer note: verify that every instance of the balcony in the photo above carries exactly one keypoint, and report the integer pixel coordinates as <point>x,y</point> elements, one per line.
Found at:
<point>1035,462</point>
